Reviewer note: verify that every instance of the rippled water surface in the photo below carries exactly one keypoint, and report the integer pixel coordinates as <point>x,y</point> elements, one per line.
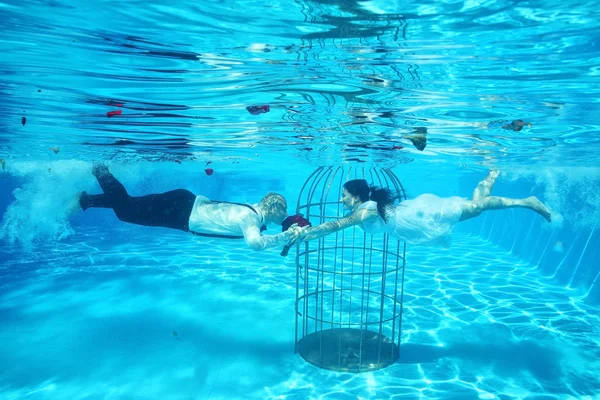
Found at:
<point>345,80</point>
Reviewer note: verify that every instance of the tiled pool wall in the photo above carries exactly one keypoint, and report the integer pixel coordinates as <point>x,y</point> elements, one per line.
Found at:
<point>568,254</point>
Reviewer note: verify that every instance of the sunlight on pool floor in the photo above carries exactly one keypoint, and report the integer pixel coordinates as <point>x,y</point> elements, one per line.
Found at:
<point>125,315</point>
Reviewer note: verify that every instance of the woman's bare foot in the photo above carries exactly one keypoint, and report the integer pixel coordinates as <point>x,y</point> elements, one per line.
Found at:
<point>484,188</point>
<point>493,175</point>
<point>536,205</point>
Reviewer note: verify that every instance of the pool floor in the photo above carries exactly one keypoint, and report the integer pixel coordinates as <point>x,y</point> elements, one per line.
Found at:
<point>134,313</point>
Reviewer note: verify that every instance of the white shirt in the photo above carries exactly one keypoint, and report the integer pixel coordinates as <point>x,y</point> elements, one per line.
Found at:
<point>233,221</point>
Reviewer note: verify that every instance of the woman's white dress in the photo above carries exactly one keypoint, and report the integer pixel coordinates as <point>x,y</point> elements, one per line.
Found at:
<point>426,219</point>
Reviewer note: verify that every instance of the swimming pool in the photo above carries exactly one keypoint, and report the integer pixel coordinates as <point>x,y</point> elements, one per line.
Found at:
<point>91,307</point>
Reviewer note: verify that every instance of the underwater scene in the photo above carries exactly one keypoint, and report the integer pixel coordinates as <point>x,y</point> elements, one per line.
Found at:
<point>304,199</point>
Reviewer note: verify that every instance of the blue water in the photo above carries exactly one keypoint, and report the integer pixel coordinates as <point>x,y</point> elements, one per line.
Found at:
<point>92,308</point>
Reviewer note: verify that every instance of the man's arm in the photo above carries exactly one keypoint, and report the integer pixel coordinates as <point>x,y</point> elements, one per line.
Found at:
<point>258,242</point>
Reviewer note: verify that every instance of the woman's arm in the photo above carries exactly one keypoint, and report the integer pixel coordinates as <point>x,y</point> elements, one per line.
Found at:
<point>356,218</point>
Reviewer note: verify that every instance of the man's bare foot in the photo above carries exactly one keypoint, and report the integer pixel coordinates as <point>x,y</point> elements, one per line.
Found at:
<point>99,170</point>
<point>536,205</point>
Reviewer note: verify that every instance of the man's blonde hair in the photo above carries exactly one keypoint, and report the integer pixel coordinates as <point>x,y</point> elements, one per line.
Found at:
<point>273,201</point>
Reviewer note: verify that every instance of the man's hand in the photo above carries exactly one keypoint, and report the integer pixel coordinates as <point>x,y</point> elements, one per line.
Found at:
<point>294,231</point>
<point>302,233</point>
<point>297,236</point>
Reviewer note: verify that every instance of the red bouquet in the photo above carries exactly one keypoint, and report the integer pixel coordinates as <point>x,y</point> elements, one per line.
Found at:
<point>294,219</point>
<point>285,225</point>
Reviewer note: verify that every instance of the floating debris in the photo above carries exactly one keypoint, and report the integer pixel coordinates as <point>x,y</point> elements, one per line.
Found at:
<point>418,138</point>
<point>208,171</point>
<point>516,125</point>
<point>255,110</point>
<point>419,141</point>
<point>176,335</point>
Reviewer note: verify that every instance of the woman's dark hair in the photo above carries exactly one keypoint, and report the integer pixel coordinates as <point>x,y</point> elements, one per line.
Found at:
<point>382,196</point>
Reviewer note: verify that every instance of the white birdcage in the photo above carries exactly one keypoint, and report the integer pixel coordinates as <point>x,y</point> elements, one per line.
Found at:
<point>349,284</point>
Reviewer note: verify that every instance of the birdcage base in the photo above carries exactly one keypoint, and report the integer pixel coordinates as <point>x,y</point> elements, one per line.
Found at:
<point>348,350</point>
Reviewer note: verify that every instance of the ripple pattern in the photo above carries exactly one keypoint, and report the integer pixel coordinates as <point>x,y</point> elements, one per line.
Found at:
<point>184,317</point>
